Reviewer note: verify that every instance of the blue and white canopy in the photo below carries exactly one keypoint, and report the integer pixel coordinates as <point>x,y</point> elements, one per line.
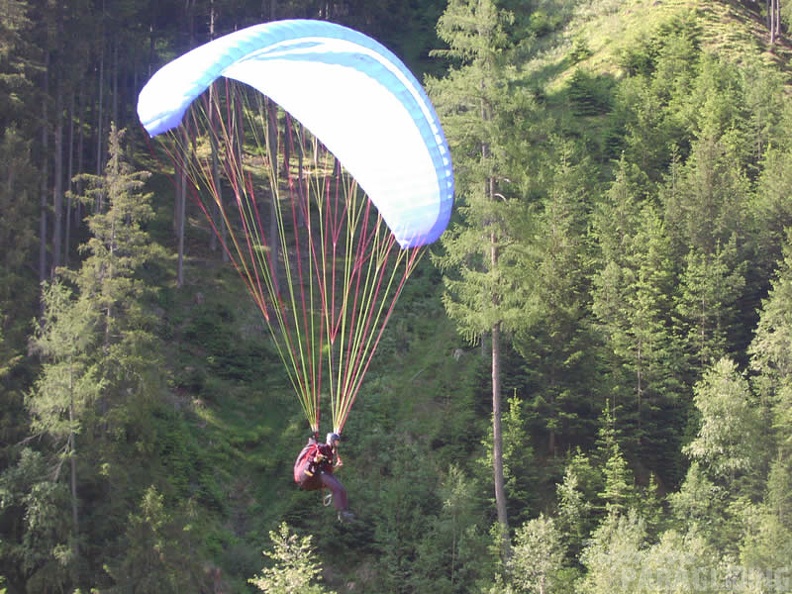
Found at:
<point>350,91</point>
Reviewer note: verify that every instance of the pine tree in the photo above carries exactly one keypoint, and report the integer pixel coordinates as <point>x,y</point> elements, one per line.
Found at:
<point>296,570</point>
<point>17,234</point>
<point>573,518</point>
<point>157,554</point>
<point>470,100</point>
<point>118,249</point>
<point>633,308</point>
<point>35,552</point>
<point>555,336</point>
<point>17,65</point>
<point>618,489</point>
<point>768,541</point>
<point>94,338</point>
<point>68,386</point>
<point>771,359</point>
<point>453,552</point>
<point>711,286</point>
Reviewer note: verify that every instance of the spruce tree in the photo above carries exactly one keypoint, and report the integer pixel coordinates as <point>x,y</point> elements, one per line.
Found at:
<point>97,347</point>
<point>69,384</point>
<point>18,285</point>
<point>633,311</point>
<point>470,100</point>
<point>730,439</point>
<point>555,336</point>
<point>295,569</point>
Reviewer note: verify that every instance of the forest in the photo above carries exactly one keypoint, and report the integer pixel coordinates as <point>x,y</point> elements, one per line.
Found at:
<point>585,386</point>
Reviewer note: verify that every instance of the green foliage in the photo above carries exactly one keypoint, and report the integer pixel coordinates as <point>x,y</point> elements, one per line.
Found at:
<point>770,356</point>
<point>473,101</point>
<point>158,552</point>
<point>633,308</point>
<point>767,544</point>
<point>680,562</point>
<point>590,95</point>
<point>619,492</point>
<point>629,163</point>
<point>71,382</point>
<point>668,53</point>
<point>537,556</point>
<point>573,519</point>
<point>730,439</point>
<point>17,236</point>
<point>555,338</point>
<point>699,503</point>
<point>18,65</point>
<point>36,525</point>
<point>771,208</point>
<point>452,553</point>
<point>614,557</point>
<point>296,568</point>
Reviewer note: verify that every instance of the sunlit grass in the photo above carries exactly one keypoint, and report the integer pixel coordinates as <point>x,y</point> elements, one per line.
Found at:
<point>601,30</point>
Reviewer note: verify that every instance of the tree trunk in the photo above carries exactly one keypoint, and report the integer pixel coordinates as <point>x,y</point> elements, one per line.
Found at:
<point>181,209</point>
<point>69,176</point>
<point>71,449</point>
<point>73,485</point>
<point>57,181</point>
<point>497,444</point>
<point>100,117</point>
<point>43,202</point>
<point>774,19</point>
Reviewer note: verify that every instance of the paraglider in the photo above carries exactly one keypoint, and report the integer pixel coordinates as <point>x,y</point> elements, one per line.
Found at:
<point>324,174</point>
<point>313,470</point>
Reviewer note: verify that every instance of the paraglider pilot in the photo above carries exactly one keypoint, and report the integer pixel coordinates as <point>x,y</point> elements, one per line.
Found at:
<point>313,470</point>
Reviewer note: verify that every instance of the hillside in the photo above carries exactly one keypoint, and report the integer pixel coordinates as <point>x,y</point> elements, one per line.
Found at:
<point>417,395</point>
<point>639,154</point>
<point>600,32</point>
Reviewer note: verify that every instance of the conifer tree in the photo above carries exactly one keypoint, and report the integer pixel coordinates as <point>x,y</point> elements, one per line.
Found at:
<point>296,570</point>
<point>537,558</point>
<point>453,552</point>
<point>768,542</point>
<point>731,435</point>
<point>573,517</point>
<point>35,552</point>
<point>157,557</point>
<point>17,236</point>
<point>119,247</point>
<point>771,358</point>
<point>470,100</point>
<point>94,337</point>
<point>68,386</point>
<point>618,481</point>
<point>633,309</point>
<point>711,286</point>
<point>555,336</point>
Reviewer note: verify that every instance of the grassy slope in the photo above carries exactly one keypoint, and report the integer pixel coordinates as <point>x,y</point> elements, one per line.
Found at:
<point>245,425</point>
<point>605,28</point>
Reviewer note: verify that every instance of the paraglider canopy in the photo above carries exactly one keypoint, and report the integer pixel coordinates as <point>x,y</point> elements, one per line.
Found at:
<point>324,268</point>
<point>350,91</point>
